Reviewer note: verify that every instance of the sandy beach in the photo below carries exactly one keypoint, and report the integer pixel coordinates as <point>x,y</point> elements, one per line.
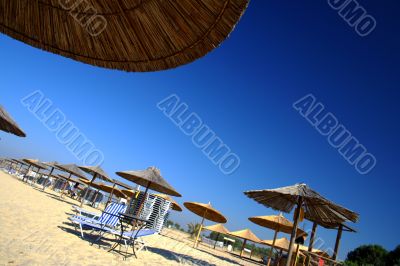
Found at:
<point>34,230</point>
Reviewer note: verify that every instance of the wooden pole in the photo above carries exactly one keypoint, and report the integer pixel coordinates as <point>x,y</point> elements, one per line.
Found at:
<point>65,185</point>
<point>143,199</point>
<point>49,175</point>
<point>87,189</point>
<point>337,244</point>
<point>272,248</point>
<point>294,230</point>
<point>243,247</point>
<point>216,240</point>
<point>95,197</point>
<point>27,172</point>
<point>311,244</point>
<point>110,197</point>
<point>296,254</point>
<point>200,228</point>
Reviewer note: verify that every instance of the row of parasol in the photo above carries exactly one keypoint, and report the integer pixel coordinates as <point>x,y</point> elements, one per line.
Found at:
<point>306,203</point>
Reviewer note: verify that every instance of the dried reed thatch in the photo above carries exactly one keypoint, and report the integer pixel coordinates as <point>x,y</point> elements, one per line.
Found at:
<point>316,207</point>
<point>134,35</point>
<point>206,211</point>
<point>7,124</point>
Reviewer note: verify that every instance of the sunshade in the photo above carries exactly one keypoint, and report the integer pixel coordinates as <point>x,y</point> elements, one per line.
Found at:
<point>69,179</point>
<point>219,229</point>
<point>72,169</point>
<point>35,163</point>
<point>96,172</point>
<point>110,189</point>
<point>300,196</point>
<point>246,235</point>
<point>144,35</point>
<point>278,223</point>
<point>205,211</point>
<point>7,124</point>
<point>283,244</point>
<point>150,179</point>
<point>175,205</point>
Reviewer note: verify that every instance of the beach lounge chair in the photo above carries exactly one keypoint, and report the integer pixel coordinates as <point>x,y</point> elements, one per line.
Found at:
<point>107,220</point>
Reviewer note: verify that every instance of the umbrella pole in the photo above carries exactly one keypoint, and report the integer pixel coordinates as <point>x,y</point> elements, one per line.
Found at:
<point>95,197</point>
<point>49,175</point>
<point>294,230</point>
<point>243,247</point>
<point>27,172</point>
<point>272,248</point>
<point>110,197</point>
<point>216,240</point>
<point>312,238</point>
<point>143,200</point>
<point>87,189</point>
<point>337,244</point>
<point>296,254</point>
<point>65,185</point>
<point>201,228</point>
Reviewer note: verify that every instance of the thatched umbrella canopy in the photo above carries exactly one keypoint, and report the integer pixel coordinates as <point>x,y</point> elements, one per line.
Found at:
<point>246,235</point>
<point>278,223</point>
<point>21,163</point>
<point>316,208</point>
<point>96,172</point>
<point>7,124</point>
<point>71,169</point>
<point>205,211</point>
<point>35,163</point>
<point>219,229</point>
<point>175,205</point>
<point>144,35</point>
<point>52,166</point>
<point>150,179</point>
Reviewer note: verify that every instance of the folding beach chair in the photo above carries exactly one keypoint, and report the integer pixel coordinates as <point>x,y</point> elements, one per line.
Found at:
<point>107,220</point>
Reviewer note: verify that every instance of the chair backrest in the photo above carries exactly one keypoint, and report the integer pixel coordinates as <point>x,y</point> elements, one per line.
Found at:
<point>110,215</point>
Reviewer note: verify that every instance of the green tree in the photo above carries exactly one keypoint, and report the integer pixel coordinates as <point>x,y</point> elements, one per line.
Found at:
<point>393,258</point>
<point>367,255</point>
<point>177,226</point>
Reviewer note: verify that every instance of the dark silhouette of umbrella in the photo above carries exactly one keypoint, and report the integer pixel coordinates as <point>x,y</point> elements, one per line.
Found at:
<point>97,173</point>
<point>315,207</point>
<point>127,35</point>
<point>7,124</point>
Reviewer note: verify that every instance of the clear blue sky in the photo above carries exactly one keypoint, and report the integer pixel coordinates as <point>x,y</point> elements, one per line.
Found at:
<point>244,91</point>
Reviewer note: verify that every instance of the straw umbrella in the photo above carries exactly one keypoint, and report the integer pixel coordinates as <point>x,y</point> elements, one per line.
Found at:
<point>71,179</point>
<point>219,229</point>
<point>205,211</point>
<point>35,163</point>
<point>175,205</point>
<point>150,179</point>
<point>246,235</point>
<point>52,166</point>
<point>21,164</point>
<point>114,186</point>
<point>96,172</point>
<point>315,207</point>
<point>7,124</point>
<point>127,35</point>
<point>71,169</point>
<point>278,223</point>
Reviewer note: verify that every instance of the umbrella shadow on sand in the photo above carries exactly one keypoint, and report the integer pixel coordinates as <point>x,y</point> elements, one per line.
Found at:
<point>178,257</point>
